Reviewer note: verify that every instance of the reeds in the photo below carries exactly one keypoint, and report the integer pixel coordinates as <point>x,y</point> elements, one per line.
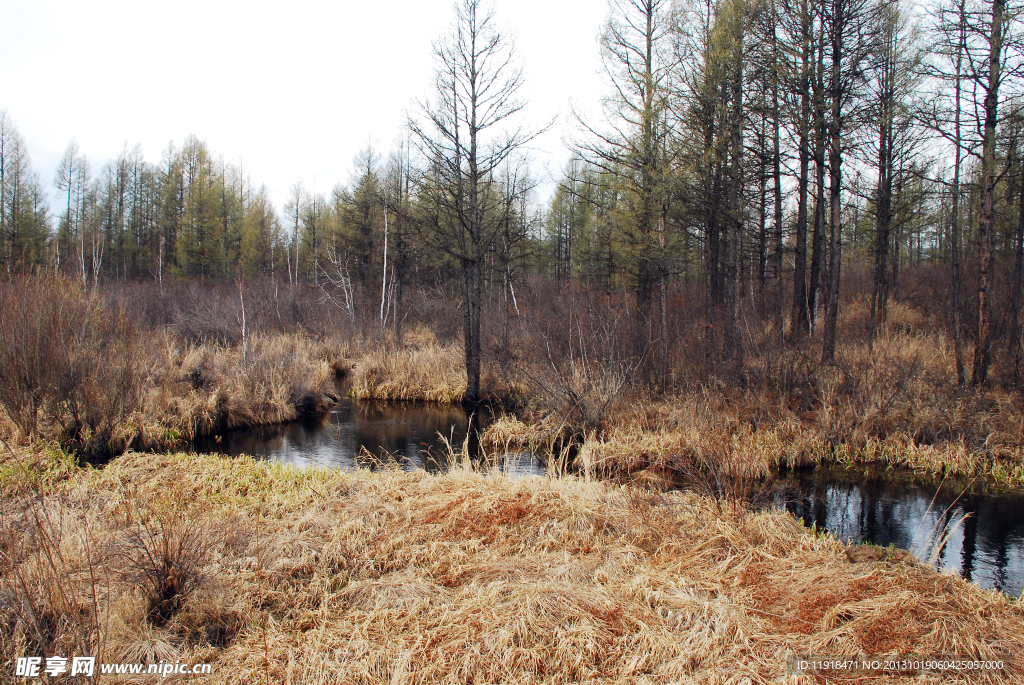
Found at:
<point>207,387</point>
<point>890,403</point>
<point>181,391</point>
<point>420,371</point>
<point>413,578</point>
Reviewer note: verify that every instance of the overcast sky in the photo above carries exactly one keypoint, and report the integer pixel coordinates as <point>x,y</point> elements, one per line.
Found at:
<point>292,90</point>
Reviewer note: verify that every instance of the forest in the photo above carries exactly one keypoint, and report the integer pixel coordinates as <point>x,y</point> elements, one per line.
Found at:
<point>720,166</point>
<point>794,239</point>
<point>750,150</point>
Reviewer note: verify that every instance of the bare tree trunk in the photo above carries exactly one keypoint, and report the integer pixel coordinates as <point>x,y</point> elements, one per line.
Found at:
<point>474,349</point>
<point>506,284</point>
<point>762,228</point>
<point>818,235</point>
<point>1014,347</point>
<point>800,318</point>
<point>880,294</point>
<point>288,261</point>
<point>664,331</point>
<point>954,248</point>
<point>245,332</point>
<point>982,353</point>
<point>160,266</point>
<point>835,253</point>
<point>733,256</point>
<point>384,276</point>
<point>777,177</point>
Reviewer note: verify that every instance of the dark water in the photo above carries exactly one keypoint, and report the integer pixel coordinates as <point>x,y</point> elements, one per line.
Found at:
<point>881,507</point>
<point>363,434</point>
<point>886,508</point>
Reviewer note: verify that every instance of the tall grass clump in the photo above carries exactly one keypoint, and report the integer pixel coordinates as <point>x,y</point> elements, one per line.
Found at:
<point>161,547</point>
<point>82,368</point>
<point>419,370</point>
<point>121,573</point>
<point>209,387</point>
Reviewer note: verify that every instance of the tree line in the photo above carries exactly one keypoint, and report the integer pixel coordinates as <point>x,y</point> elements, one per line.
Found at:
<point>753,149</point>
<point>759,147</point>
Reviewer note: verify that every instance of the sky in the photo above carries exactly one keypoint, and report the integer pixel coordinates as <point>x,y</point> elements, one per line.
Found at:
<point>292,91</point>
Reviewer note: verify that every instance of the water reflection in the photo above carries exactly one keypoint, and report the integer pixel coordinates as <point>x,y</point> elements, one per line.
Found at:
<point>986,547</point>
<point>365,434</point>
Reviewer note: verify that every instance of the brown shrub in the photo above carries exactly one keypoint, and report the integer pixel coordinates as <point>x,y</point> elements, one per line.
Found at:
<point>70,367</point>
<point>161,547</point>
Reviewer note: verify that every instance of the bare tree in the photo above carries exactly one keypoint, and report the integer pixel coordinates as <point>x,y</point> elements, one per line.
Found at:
<point>293,209</point>
<point>68,179</point>
<point>396,191</point>
<point>314,218</point>
<point>795,49</point>
<point>477,79</point>
<point>636,50</point>
<point>850,28</point>
<point>894,76</point>
<point>995,33</point>
<point>942,110</point>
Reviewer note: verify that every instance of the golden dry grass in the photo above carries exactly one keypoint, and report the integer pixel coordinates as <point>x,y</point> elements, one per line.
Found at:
<point>324,577</point>
<point>194,390</point>
<point>211,386</point>
<point>188,390</point>
<point>422,369</point>
<point>508,433</point>
<point>419,371</point>
<point>894,403</point>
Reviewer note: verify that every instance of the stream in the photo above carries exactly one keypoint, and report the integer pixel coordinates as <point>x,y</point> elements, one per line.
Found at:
<point>971,528</point>
<point>975,530</point>
<point>358,434</point>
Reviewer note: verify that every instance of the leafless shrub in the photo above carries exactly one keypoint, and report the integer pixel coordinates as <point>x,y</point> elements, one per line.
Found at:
<point>580,360</point>
<point>39,317</point>
<point>162,547</point>
<point>52,577</point>
<point>68,360</point>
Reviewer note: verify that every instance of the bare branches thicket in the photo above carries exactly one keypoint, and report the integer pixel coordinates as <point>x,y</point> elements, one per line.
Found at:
<point>69,360</point>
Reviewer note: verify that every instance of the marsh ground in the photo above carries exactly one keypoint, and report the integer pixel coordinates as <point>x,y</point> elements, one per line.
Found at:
<point>317,576</point>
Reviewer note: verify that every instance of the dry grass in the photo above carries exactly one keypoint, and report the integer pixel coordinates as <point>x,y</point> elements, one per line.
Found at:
<point>198,389</point>
<point>420,370</point>
<point>321,577</point>
<point>190,390</point>
<point>80,368</point>
<point>894,402</point>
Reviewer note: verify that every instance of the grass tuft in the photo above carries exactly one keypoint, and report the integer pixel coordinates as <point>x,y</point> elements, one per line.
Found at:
<point>420,372</point>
